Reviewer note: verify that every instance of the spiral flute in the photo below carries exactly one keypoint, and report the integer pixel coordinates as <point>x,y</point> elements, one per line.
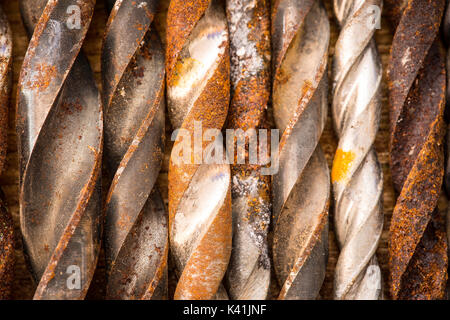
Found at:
<point>6,223</point>
<point>301,188</point>
<point>416,74</point>
<point>59,125</point>
<point>356,173</point>
<point>248,274</point>
<point>136,235</point>
<point>198,88</point>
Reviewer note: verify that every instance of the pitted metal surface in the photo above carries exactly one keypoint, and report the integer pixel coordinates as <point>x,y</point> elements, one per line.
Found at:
<point>301,188</point>
<point>60,130</point>
<point>136,226</point>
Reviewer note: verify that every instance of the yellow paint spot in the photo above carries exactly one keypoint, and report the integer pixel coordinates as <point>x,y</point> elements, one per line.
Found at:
<point>341,165</point>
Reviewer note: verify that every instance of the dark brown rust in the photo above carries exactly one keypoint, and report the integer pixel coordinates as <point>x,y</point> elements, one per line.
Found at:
<point>136,237</point>
<point>60,131</point>
<point>417,246</point>
<point>6,223</point>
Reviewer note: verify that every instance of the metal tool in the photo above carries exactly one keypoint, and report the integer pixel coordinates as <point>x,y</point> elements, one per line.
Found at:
<point>446,29</point>
<point>416,74</point>
<point>248,274</point>
<point>6,223</point>
<point>198,89</point>
<point>59,126</point>
<point>301,188</point>
<point>136,230</point>
<point>356,173</point>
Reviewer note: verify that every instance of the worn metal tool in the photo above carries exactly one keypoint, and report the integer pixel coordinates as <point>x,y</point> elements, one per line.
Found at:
<point>356,173</point>
<point>136,230</point>
<point>59,125</point>
<point>248,274</point>
<point>446,29</point>
<point>301,188</point>
<point>416,74</point>
<point>198,88</point>
<point>6,223</point>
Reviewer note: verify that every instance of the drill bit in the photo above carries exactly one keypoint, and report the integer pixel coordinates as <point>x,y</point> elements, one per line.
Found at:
<point>356,173</point>
<point>6,223</point>
<point>198,88</point>
<point>59,126</point>
<point>301,188</point>
<point>416,74</point>
<point>136,235</point>
<point>446,29</point>
<point>248,274</point>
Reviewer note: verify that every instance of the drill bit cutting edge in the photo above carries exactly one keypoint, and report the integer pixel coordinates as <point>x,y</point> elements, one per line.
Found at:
<point>136,230</point>
<point>356,173</point>
<point>301,188</point>
<point>198,90</point>
<point>417,247</point>
<point>60,129</point>
<point>248,274</point>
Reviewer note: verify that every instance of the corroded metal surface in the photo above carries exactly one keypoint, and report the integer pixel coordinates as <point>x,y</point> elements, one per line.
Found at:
<point>136,231</point>
<point>6,223</point>
<point>446,29</point>
<point>356,174</point>
<point>248,274</point>
<point>301,188</point>
<point>59,125</point>
<point>417,247</point>
<point>198,88</point>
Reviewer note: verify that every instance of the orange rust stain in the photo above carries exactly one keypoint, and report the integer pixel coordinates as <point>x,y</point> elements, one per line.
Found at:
<point>46,73</point>
<point>341,164</point>
<point>181,68</point>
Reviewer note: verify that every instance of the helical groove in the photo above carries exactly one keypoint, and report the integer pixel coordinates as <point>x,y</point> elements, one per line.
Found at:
<point>356,173</point>
<point>301,188</point>
<point>198,90</point>
<point>416,76</point>
<point>248,274</point>
<point>136,226</point>
<point>60,132</point>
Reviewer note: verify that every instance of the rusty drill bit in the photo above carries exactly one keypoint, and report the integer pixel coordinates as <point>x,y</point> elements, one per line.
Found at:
<point>59,125</point>
<point>6,223</point>
<point>416,74</point>
<point>356,173</point>
<point>248,274</point>
<point>198,88</point>
<point>446,29</point>
<point>301,188</point>
<point>136,236</point>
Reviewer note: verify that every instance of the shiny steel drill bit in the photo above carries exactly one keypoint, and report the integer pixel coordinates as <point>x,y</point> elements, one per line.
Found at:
<point>301,188</point>
<point>6,223</point>
<point>356,173</point>
<point>248,274</point>
<point>136,235</point>
<point>417,244</point>
<point>198,67</point>
<point>59,125</point>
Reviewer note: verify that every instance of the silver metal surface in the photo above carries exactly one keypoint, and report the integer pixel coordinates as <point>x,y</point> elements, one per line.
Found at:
<point>356,173</point>
<point>301,188</point>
